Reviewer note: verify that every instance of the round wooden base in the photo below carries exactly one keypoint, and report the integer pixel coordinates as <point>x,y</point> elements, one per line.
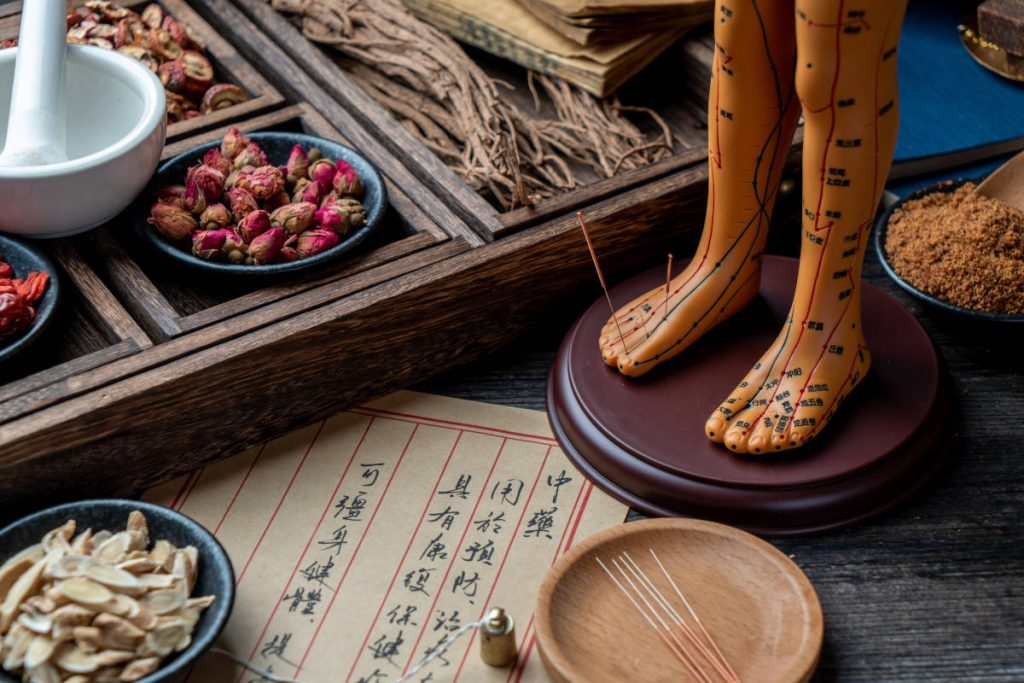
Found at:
<point>642,440</point>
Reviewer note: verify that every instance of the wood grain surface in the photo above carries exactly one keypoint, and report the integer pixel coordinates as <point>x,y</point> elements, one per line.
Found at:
<point>756,605</point>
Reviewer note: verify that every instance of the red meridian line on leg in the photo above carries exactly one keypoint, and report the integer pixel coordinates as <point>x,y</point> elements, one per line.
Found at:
<point>277,508</point>
<point>267,528</point>
<point>451,564</point>
<point>508,550</point>
<point>241,485</point>
<point>355,553</point>
<point>405,554</point>
<point>824,246</point>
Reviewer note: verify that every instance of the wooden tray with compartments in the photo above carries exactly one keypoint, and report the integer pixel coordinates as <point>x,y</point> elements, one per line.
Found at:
<point>147,373</point>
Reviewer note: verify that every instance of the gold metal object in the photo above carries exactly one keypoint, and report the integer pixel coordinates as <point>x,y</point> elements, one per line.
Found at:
<point>498,638</point>
<point>987,53</point>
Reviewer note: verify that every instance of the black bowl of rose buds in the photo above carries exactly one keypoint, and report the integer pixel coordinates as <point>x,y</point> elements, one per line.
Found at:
<point>264,204</point>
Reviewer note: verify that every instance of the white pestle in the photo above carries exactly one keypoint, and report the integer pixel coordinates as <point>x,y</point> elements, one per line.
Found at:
<point>36,124</point>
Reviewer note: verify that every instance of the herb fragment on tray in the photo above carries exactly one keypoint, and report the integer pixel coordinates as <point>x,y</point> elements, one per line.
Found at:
<point>237,207</point>
<point>18,298</point>
<point>165,45</point>
<point>97,605</point>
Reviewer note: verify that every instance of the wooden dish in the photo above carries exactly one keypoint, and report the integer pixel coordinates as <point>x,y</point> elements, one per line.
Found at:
<point>755,602</point>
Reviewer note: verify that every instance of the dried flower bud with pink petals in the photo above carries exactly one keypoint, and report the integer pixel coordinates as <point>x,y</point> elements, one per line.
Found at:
<point>193,200</point>
<point>287,255</point>
<point>346,180</point>
<point>294,217</point>
<point>265,182</point>
<point>173,222</point>
<point>342,216</point>
<point>253,225</point>
<point>298,163</point>
<point>233,143</point>
<point>171,194</point>
<point>207,244</point>
<point>310,193</point>
<point>242,203</point>
<point>214,158</point>
<point>252,155</point>
<point>265,248</point>
<point>234,248</point>
<point>322,171</point>
<point>316,241</point>
<point>209,180</point>
<point>215,216</point>
<point>277,201</point>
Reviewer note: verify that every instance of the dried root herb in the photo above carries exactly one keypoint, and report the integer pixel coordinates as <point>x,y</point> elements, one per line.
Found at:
<point>426,80</point>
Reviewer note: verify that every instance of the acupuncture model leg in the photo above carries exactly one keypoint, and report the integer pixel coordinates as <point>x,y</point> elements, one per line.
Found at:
<point>752,111</point>
<point>846,80</point>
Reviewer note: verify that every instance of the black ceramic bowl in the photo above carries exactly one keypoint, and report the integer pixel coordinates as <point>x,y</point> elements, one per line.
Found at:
<point>881,230</point>
<point>25,258</point>
<point>277,146</point>
<point>214,577</point>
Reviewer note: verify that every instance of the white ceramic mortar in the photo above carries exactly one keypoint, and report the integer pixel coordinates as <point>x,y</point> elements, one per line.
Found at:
<point>116,123</point>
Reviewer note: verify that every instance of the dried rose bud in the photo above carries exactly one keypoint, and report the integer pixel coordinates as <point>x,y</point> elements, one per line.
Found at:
<point>342,216</point>
<point>346,180</point>
<point>251,155</point>
<point>297,188</point>
<point>265,248</point>
<point>153,15</point>
<point>193,201</point>
<point>253,225</point>
<point>277,201</point>
<point>171,194</point>
<point>266,181</point>
<point>322,171</point>
<point>310,193</point>
<point>298,163</point>
<point>315,154</point>
<point>207,244</point>
<point>315,241</point>
<point>242,203</point>
<point>215,159</point>
<point>328,199</point>
<point>173,222</point>
<point>215,216</point>
<point>287,255</point>
<point>233,143</point>
<point>294,217</point>
<point>222,96</point>
<point>234,248</point>
<point>209,180</point>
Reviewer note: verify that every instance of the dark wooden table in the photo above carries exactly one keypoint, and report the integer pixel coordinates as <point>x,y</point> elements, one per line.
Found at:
<point>932,591</point>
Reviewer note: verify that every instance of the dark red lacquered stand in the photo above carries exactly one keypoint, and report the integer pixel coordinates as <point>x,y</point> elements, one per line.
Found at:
<point>642,440</point>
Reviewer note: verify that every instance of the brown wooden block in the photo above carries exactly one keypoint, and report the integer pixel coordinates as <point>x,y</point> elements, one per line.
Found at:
<point>1002,22</point>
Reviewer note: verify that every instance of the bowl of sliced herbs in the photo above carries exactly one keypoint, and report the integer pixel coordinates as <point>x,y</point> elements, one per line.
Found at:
<point>263,204</point>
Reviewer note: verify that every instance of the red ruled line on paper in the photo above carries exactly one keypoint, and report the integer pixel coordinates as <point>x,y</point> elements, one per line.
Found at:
<point>398,568</point>
<point>184,486</point>
<point>190,486</point>
<point>277,508</point>
<point>352,559</point>
<point>455,556</point>
<point>461,426</point>
<point>241,485</point>
<point>309,541</point>
<point>519,667</point>
<point>508,551</point>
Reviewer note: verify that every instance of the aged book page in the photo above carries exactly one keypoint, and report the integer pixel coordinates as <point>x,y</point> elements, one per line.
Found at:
<point>358,543</point>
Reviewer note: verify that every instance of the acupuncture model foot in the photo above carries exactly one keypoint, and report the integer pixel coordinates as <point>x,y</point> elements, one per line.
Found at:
<point>752,112</point>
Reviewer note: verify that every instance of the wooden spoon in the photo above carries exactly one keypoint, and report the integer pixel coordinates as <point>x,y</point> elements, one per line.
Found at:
<point>1006,183</point>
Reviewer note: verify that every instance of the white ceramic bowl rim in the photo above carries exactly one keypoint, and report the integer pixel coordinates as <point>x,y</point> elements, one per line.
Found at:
<point>146,84</point>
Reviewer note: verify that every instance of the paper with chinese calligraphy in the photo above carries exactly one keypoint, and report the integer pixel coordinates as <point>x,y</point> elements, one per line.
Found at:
<point>360,542</point>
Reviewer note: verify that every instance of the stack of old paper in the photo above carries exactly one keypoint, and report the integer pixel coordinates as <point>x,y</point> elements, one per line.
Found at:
<point>595,44</point>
